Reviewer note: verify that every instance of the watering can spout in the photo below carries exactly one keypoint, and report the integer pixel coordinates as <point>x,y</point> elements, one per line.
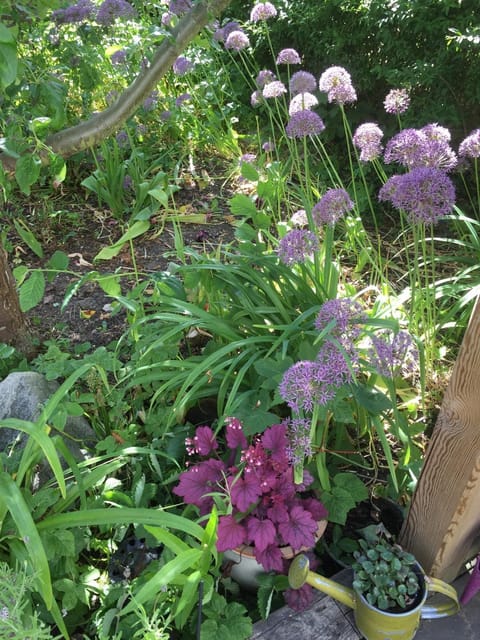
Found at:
<point>300,574</point>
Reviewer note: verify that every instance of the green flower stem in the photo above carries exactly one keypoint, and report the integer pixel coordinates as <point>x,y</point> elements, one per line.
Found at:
<point>318,438</point>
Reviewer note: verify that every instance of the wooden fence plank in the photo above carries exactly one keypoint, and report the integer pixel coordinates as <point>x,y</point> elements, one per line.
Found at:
<point>443,524</point>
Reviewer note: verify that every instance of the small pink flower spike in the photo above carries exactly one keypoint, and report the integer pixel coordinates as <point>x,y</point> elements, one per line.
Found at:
<point>473,584</point>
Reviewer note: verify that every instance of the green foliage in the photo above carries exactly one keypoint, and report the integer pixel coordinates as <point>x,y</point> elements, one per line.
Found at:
<point>225,619</point>
<point>385,574</point>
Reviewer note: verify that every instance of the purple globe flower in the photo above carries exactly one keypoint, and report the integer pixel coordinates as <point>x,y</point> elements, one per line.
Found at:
<point>110,10</point>
<point>274,89</point>
<point>167,19</point>
<point>299,218</point>
<point>237,40</point>
<point>80,12</point>
<point>304,123</point>
<point>299,442</point>
<point>302,101</point>
<point>297,246</point>
<point>183,97</point>
<point>470,146</point>
<point>425,194</point>
<point>333,205</point>
<point>264,77</point>
<point>150,101</point>
<point>179,7</point>
<point>262,11</point>
<point>367,138</point>
<point>397,101</point>
<point>222,34</point>
<point>426,147</point>
<point>181,66</point>
<point>119,57</point>
<point>301,82</point>
<point>256,98</point>
<point>337,84</point>
<point>288,56</point>
<point>393,354</point>
<point>346,312</point>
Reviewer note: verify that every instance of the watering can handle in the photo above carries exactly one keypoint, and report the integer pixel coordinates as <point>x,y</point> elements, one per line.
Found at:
<point>441,610</point>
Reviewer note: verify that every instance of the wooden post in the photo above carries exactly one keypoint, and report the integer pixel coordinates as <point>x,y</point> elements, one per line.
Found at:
<point>442,528</point>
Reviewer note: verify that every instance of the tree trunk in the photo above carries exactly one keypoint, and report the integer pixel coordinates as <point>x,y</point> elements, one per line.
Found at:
<point>13,327</point>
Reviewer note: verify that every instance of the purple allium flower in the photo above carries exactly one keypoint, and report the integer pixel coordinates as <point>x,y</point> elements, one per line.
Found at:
<point>299,218</point>
<point>182,65</point>
<point>179,7</point>
<point>337,83</point>
<point>122,138</point>
<point>183,97</point>
<point>302,101</point>
<point>268,146</point>
<point>165,115</point>
<point>304,123</point>
<point>274,89</point>
<point>119,57</point>
<point>314,382</point>
<point>425,193</point>
<point>393,354</point>
<point>333,205</point>
<point>150,101</point>
<point>415,148</point>
<point>167,19</point>
<point>248,157</point>
<point>397,101</point>
<point>346,312</point>
<point>222,34</point>
<point>110,10</point>
<point>237,40</point>
<point>302,82</point>
<point>299,442</point>
<point>288,56</point>
<point>367,138</point>
<point>470,146</point>
<point>264,77</point>
<point>256,98</point>
<point>434,131</point>
<point>262,11</point>
<point>296,246</point>
<point>80,12</point>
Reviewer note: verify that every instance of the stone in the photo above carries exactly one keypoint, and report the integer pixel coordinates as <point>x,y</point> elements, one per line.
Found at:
<point>22,396</point>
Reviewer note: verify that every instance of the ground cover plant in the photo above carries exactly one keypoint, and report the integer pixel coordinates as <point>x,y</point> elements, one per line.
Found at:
<point>321,325</point>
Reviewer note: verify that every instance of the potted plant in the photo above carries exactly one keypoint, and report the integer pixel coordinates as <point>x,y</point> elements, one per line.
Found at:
<point>264,513</point>
<point>389,590</point>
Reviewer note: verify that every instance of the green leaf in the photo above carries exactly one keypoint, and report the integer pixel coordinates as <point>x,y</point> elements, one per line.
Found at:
<point>160,195</point>
<point>351,483</point>
<point>40,125</point>
<point>136,229</point>
<point>8,57</point>
<point>242,205</point>
<point>58,261</point>
<point>27,171</point>
<point>374,401</point>
<point>28,237</point>
<point>249,172</point>
<point>111,285</point>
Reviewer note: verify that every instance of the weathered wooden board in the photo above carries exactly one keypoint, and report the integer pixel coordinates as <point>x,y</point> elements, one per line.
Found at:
<point>443,524</point>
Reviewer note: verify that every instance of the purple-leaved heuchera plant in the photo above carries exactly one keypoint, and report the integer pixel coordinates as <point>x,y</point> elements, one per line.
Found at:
<point>253,486</point>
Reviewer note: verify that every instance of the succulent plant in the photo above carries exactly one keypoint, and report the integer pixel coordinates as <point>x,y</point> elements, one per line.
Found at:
<point>385,574</point>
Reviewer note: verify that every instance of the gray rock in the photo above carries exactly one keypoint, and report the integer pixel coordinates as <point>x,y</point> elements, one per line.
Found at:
<point>22,396</point>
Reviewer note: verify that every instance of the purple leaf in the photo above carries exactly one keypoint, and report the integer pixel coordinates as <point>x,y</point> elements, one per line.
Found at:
<point>200,480</point>
<point>300,529</point>
<point>245,492</point>
<point>231,534</point>
<point>275,440</point>
<point>261,532</point>
<point>271,558</point>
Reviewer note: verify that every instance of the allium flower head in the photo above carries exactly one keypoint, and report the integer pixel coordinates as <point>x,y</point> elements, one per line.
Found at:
<point>296,246</point>
<point>150,101</point>
<point>337,84</point>
<point>256,98</point>
<point>119,57</point>
<point>262,11</point>
<point>302,82</point>
<point>237,40</point>
<point>268,146</point>
<point>299,218</point>
<point>425,194</point>
<point>470,146</point>
<point>183,97</point>
<point>304,123</point>
<point>288,56</point>
<point>393,354</point>
<point>80,12</point>
<point>397,101</point>
<point>222,34</point>
<point>181,66</point>
<point>346,312</point>
<point>299,443</point>
<point>333,205</point>
<point>264,77</point>
<point>167,19</point>
<point>367,138</point>
<point>426,147</point>
<point>179,7</point>
<point>274,89</point>
<point>302,101</point>
<point>110,10</point>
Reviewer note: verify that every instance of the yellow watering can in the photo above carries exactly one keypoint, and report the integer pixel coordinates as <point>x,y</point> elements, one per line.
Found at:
<point>373,623</point>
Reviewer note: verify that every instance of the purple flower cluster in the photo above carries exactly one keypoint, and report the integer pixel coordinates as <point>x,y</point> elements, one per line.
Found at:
<point>274,89</point>
<point>288,56</point>
<point>337,84</point>
<point>299,442</point>
<point>302,101</point>
<point>222,33</point>
<point>397,101</point>
<point>119,57</point>
<point>367,138</point>
<point>394,354</point>
<point>299,218</point>
<point>181,66</point>
<point>237,40</point>
<point>79,12</point>
<point>110,10</point>
<point>150,101</point>
<point>264,77</point>
<point>296,246</point>
<point>425,193</point>
<point>425,147</point>
<point>304,123</point>
<point>183,97</point>
<point>302,82</point>
<point>262,11</point>
<point>179,7</point>
<point>347,315</point>
<point>332,206</point>
<point>470,146</point>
